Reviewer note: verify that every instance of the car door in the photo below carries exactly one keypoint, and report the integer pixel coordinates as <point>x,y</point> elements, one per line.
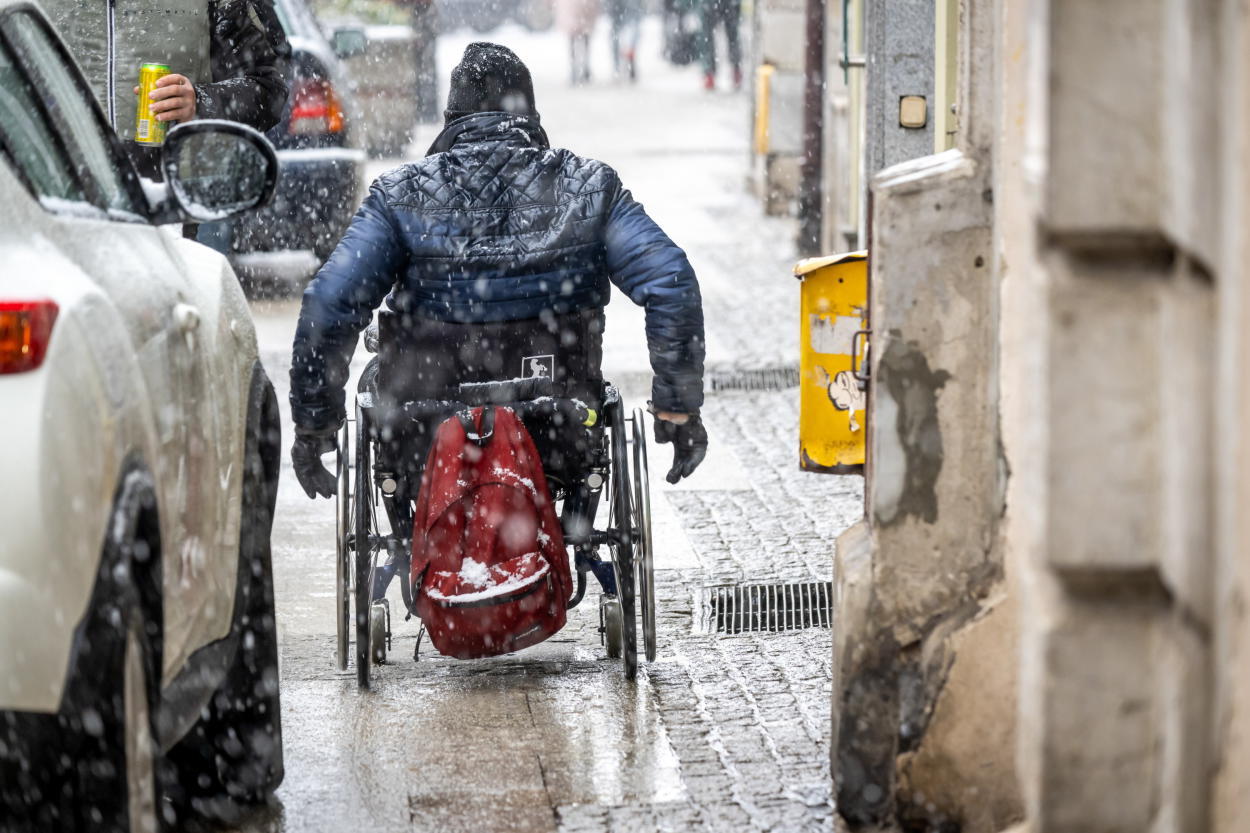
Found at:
<point>107,234</point>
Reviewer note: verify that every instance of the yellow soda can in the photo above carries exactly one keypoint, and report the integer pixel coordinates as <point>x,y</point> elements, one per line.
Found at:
<point>149,131</point>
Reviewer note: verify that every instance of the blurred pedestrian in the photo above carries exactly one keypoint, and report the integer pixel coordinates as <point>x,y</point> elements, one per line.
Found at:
<point>625,18</point>
<point>723,13</point>
<point>228,59</point>
<point>576,18</point>
<point>683,31</point>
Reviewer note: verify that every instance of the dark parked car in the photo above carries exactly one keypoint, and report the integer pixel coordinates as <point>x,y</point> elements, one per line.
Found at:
<point>319,143</point>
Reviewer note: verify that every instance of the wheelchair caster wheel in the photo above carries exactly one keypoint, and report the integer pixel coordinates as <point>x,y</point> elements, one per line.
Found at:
<point>379,631</point>
<point>611,623</point>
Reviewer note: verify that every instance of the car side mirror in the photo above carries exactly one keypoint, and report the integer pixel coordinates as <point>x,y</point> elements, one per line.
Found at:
<point>348,42</point>
<point>215,169</point>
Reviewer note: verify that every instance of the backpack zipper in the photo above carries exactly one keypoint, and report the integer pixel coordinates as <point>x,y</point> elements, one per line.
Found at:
<point>528,590</point>
<point>110,72</point>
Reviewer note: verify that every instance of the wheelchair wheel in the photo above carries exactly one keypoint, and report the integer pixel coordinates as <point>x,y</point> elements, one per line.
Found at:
<point>379,631</point>
<point>610,625</point>
<point>342,546</point>
<point>623,549</point>
<point>366,546</point>
<point>643,555</point>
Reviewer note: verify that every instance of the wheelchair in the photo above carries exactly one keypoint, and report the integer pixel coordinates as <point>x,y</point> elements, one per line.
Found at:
<point>594,452</point>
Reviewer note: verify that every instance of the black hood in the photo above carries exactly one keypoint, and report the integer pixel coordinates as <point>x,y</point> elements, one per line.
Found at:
<point>491,127</point>
<point>490,78</point>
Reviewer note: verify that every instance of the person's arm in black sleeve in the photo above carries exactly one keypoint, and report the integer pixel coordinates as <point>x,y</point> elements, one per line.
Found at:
<point>337,305</point>
<point>656,275</point>
<point>250,58</point>
<point>654,272</point>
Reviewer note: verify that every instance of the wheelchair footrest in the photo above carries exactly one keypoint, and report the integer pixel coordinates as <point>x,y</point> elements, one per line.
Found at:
<point>602,570</point>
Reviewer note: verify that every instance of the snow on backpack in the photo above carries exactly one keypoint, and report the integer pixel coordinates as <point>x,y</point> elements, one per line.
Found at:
<point>489,566</point>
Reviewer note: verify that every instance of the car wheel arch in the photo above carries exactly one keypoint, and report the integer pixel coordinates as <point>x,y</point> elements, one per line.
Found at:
<point>134,525</point>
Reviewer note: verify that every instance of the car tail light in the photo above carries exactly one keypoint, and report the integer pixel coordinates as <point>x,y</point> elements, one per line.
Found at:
<point>315,108</point>
<point>25,330</point>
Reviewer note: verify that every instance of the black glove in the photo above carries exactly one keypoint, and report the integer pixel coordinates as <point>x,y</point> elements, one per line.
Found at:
<point>306,460</point>
<point>689,441</point>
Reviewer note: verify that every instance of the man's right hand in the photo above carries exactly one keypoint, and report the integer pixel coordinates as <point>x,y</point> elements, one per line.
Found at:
<point>306,453</point>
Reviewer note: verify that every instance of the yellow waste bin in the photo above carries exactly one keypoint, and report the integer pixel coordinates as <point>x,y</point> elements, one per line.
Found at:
<point>833,350</point>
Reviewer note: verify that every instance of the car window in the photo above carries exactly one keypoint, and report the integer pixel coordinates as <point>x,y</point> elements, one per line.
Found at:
<point>73,112</point>
<point>28,139</point>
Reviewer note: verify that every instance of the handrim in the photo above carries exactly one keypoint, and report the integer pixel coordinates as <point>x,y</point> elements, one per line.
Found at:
<point>343,572</point>
<point>623,550</point>
<point>645,557</point>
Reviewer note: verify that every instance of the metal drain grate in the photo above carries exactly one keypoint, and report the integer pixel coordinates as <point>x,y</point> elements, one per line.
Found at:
<point>765,378</point>
<point>751,608</point>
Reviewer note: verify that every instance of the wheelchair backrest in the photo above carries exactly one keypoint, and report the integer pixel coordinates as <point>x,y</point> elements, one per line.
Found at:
<point>496,361</point>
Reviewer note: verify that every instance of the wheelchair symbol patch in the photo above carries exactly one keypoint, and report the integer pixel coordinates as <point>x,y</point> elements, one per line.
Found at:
<point>538,367</point>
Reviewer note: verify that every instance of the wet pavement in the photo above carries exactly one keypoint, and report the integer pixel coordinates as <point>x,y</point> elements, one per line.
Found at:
<point>722,732</point>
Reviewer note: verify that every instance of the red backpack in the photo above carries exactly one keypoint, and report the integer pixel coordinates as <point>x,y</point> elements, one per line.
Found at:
<point>488,561</point>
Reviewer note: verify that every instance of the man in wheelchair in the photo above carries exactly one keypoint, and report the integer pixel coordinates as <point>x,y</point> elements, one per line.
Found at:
<point>494,256</point>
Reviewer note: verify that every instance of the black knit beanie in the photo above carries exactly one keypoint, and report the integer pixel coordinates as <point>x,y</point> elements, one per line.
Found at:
<point>490,78</point>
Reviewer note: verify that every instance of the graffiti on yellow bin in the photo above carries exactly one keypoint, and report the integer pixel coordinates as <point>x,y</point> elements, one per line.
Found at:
<point>833,402</point>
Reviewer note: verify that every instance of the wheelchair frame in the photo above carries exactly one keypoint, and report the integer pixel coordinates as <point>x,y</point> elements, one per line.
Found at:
<point>627,579</point>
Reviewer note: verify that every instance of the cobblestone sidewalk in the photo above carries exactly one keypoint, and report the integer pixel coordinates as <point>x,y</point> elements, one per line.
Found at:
<point>747,715</point>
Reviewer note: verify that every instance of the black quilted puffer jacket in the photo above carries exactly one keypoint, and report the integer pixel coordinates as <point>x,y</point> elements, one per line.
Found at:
<point>495,225</point>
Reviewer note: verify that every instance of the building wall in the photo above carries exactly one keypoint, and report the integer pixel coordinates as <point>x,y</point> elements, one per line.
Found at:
<point>1231,738</point>
<point>1124,409</point>
<point>926,641</point>
<point>899,39</point>
<point>1024,360</point>
<point>778,42</point>
<point>840,145</point>
<point>1056,559</point>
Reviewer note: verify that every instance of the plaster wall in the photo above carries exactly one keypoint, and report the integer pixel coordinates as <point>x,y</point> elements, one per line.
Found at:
<point>1116,230</point>
<point>1057,550</point>
<point>1231,736</point>
<point>1132,115</point>
<point>1024,367</point>
<point>927,620</point>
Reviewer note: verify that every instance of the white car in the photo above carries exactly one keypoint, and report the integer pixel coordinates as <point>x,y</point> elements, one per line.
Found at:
<point>139,449</point>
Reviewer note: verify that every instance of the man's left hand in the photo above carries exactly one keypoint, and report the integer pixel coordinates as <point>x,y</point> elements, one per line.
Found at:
<point>173,98</point>
<point>689,439</point>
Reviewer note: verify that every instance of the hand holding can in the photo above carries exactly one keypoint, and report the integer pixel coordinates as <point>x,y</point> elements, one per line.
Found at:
<point>173,99</point>
<point>163,97</point>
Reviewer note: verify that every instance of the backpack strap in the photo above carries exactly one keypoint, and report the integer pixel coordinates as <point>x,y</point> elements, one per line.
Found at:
<point>479,437</point>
